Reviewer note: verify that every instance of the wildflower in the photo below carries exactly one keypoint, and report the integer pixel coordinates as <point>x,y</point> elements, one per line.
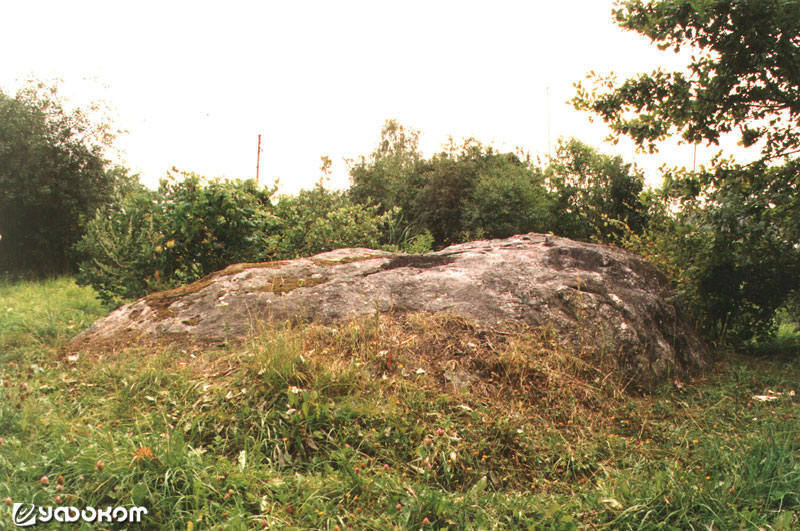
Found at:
<point>425,521</point>
<point>143,452</point>
<point>58,500</point>
<point>45,481</point>
<point>99,465</point>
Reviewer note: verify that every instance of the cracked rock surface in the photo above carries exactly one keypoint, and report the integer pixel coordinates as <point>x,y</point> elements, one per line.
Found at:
<point>590,295</point>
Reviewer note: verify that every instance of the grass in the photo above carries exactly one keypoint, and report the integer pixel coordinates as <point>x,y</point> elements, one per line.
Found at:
<point>414,422</point>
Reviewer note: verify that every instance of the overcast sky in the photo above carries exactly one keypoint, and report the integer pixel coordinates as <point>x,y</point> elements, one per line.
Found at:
<point>194,83</point>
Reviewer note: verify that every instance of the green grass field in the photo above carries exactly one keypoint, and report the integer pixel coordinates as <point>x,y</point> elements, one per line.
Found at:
<point>353,427</point>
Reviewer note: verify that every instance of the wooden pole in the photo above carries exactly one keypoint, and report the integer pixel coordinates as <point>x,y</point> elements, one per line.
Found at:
<point>258,158</point>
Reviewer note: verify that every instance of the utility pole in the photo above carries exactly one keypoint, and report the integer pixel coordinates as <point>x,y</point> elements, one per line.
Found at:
<point>258,158</point>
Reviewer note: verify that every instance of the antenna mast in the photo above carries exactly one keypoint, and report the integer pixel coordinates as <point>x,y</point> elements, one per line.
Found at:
<point>258,158</point>
<point>549,153</point>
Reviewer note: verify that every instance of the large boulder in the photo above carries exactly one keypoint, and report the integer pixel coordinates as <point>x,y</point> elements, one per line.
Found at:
<point>590,295</point>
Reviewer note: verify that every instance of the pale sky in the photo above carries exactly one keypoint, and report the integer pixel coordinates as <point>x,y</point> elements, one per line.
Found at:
<point>194,83</point>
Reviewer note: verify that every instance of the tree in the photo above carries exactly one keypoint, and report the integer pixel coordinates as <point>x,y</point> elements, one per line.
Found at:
<point>509,198</point>
<point>463,192</point>
<point>744,76</point>
<point>597,196</point>
<point>53,176</point>
<point>471,191</point>
<point>384,180</point>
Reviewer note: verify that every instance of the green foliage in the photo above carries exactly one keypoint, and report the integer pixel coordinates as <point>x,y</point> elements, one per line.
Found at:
<point>733,264</point>
<point>319,220</point>
<point>508,199</point>
<point>743,74</point>
<point>53,175</point>
<point>420,243</point>
<point>119,248</point>
<point>461,193</point>
<point>390,176</point>
<point>597,196</point>
<point>742,219</point>
<point>190,227</point>
<point>748,265</point>
<point>213,224</point>
<point>153,240</point>
<point>471,191</point>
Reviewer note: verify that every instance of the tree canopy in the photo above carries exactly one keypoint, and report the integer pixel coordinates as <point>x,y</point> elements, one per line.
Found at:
<point>743,78</point>
<point>744,75</point>
<point>53,175</point>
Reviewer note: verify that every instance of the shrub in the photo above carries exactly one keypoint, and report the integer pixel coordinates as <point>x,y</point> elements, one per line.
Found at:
<point>152,240</point>
<point>190,227</point>
<point>320,220</point>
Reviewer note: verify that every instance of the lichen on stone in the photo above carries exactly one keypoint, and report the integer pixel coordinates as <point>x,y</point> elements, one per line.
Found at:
<point>287,284</point>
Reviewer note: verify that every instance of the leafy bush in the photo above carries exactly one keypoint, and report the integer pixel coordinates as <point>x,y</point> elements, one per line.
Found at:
<point>152,240</point>
<point>509,198</point>
<point>191,227</point>
<point>119,241</point>
<point>596,196</point>
<point>471,191</point>
<point>320,220</point>
<point>463,192</point>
